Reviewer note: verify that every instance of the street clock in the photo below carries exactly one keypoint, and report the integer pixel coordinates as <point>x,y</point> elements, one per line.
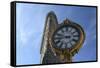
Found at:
<point>67,39</point>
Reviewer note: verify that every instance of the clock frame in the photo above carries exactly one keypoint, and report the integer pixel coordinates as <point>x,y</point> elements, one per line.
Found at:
<point>67,53</point>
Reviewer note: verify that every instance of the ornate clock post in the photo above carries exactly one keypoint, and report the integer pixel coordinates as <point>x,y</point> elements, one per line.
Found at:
<point>63,40</point>
<point>67,40</point>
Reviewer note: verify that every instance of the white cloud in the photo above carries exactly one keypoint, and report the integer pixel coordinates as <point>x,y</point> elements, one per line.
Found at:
<point>25,36</point>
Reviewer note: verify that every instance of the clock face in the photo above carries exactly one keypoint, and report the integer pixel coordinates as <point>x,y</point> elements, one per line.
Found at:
<point>66,37</point>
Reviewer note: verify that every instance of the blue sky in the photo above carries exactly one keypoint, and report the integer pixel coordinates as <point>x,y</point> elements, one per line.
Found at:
<point>30,22</point>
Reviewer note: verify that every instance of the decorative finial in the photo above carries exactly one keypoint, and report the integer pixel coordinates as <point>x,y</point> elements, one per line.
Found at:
<point>66,21</point>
